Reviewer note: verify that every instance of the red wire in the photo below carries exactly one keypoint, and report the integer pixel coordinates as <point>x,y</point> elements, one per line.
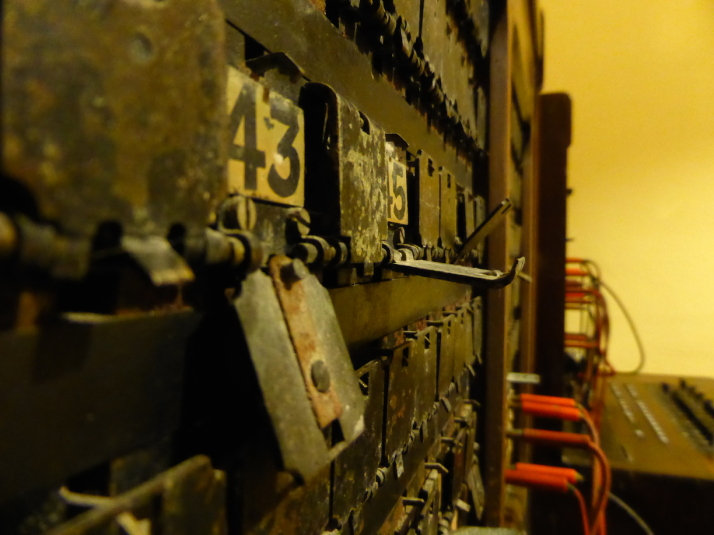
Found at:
<point>583,509</point>
<point>559,438</point>
<point>553,400</point>
<point>599,513</point>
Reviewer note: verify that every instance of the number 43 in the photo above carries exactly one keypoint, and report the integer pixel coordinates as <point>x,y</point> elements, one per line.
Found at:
<point>267,150</point>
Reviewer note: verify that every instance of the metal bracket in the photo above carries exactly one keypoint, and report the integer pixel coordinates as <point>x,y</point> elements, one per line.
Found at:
<point>327,370</point>
<point>302,446</point>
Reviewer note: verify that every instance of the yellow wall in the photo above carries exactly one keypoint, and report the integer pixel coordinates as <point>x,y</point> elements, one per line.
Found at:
<point>641,77</point>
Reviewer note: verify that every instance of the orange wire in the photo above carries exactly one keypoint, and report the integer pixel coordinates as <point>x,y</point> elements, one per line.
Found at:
<point>583,509</point>
<point>599,512</point>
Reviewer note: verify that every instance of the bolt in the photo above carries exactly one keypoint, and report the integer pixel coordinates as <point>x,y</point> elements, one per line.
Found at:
<point>320,376</point>
<point>294,271</point>
<point>382,475</point>
<point>239,212</point>
<point>307,252</point>
<point>299,220</point>
<point>399,235</point>
<point>239,251</point>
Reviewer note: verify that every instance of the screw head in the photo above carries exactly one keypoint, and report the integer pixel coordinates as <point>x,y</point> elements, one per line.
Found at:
<point>320,376</point>
<point>399,235</point>
<point>299,220</point>
<point>239,212</point>
<point>294,271</point>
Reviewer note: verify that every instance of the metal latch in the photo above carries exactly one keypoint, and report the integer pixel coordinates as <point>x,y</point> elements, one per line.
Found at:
<point>492,279</point>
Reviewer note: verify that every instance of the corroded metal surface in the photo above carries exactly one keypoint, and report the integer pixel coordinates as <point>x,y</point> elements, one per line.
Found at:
<point>118,100</point>
<point>345,175</point>
<point>319,346</point>
<point>302,446</point>
<point>336,392</point>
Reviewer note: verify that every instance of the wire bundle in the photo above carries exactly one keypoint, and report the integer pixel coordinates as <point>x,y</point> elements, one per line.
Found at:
<point>564,479</point>
<point>584,294</point>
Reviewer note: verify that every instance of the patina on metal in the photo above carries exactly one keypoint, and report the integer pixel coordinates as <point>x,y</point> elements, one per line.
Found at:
<point>318,342</point>
<point>346,171</point>
<point>118,101</point>
<point>302,446</point>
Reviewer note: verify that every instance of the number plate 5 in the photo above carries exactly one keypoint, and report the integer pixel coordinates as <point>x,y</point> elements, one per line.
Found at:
<point>397,210</point>
<point>267,150</point>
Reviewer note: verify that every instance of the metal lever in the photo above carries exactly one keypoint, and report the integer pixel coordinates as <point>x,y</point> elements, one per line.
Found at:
<point>492,279</point>
<point>484,229</point>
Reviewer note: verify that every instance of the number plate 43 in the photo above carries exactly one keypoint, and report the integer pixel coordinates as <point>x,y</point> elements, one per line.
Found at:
<point>267,150</point>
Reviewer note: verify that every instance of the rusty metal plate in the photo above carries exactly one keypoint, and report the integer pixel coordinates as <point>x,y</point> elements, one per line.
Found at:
<point>397,205</point>
<point>312,358</point>
<point>122,101</point>
<point>266,156</point>
<point>328,373</point>
<point>302,446</point>
<point>185,500</point>
<point>428,181</point>
<point>346,172</point>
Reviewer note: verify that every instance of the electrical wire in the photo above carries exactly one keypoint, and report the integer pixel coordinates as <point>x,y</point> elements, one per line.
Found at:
<point>631,512</point>
<point>595,273</point>
<point>633,328</point>
<point>600,505</point>
<point>583,509</point>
